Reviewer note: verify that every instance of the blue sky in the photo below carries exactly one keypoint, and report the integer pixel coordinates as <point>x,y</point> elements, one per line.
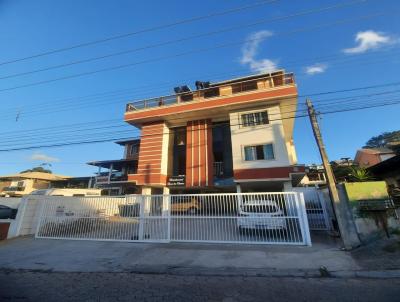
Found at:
<point>321,48</point>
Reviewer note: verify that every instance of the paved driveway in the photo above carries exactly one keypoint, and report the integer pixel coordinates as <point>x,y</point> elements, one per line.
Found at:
<point>95,256</point>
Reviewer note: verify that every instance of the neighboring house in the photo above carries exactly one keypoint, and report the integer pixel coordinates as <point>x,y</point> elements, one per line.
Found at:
<point>389,171</point>
<point>368,157</point>
<point>315,176</point>
<point>24,183</point>
<point>114,180</point>
<point>235,135</point>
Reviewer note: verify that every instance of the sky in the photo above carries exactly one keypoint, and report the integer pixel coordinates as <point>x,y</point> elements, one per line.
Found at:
<point>353,45</point>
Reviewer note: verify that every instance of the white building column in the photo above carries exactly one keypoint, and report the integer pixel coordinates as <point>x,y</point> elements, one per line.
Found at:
<point>166,201</point>
<point>146,192</point>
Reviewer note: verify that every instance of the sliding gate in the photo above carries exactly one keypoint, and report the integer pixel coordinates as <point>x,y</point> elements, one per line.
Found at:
<point>255,218</point>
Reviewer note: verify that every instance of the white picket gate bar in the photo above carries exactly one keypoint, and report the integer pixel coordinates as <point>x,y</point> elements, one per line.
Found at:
<point>254,218</point>
<point>316,208</point>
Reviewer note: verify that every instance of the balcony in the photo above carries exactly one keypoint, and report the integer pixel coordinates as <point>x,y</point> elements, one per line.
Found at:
<point>104,178</point>
<point>228,88</point>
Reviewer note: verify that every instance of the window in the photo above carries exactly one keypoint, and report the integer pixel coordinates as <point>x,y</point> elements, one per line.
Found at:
<point>255,118</point>
<point>260,152</point>
<point>134,149</point>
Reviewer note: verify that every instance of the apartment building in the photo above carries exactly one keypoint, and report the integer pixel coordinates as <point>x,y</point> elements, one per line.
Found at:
<point>112,175</point>
<point>229,136</point>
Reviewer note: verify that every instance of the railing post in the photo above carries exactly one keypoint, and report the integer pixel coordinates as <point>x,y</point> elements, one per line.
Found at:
<point>169,218</point>
<point>301,212</point>
<point>321,199</point>
<point>141,215</point>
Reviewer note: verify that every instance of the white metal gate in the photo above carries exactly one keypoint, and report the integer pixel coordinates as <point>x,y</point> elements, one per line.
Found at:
<point>316,208</point>
<point>256,218</point>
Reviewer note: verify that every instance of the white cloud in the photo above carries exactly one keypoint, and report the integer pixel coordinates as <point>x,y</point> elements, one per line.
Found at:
<point>316,68</point>
<point>368,40</point>
<point>250,49</point>
<point>43,157</point>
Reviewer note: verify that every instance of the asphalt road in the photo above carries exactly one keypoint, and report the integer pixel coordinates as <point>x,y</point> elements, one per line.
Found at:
<point>43,286</point>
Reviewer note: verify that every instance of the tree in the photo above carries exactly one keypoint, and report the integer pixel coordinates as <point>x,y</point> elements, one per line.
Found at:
<point>38,169</point>
<point>341,172</point>
<point>386,139</point>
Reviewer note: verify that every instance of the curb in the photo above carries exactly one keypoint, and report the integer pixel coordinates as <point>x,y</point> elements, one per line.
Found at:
<point>228,272</point>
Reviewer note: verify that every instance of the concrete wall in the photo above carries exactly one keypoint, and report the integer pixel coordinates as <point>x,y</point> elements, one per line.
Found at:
<point>256,135</point>
<point>370,225</point>
<point>27,217</point>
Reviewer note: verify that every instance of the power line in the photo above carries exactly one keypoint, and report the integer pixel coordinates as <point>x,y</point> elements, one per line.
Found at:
<point>80,125</point>
<point>158,134</point>
<point>153,60</point>
<point>237,27</point>
<point>166,84</point>
<point>81,130</point>
<point>150,29</point>
<point>72,106</point>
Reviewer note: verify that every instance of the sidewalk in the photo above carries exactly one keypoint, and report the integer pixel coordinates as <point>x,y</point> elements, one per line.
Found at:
<point>32,254</point>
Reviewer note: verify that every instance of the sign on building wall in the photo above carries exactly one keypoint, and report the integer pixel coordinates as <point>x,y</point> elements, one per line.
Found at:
<point>176,181</point>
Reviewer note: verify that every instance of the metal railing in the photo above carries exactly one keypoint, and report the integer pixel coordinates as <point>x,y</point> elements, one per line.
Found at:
<point>274,80</point>
<point>317,208</point>
<point>114,177</point>
<point>257,218</point>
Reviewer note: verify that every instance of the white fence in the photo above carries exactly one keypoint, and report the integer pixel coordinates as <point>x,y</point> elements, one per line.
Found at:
<point>256,218</point>
<point>318,208</point>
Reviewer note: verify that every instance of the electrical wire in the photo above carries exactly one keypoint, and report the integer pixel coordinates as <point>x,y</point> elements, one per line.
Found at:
<point>184,39</point>
<point>153,60</point>
<point>158,134</point>
<point>146,30</point>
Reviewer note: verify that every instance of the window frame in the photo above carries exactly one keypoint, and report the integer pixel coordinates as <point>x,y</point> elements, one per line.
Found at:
<point>255,153</point>
<point>254,113</point>
<point>132,147</point>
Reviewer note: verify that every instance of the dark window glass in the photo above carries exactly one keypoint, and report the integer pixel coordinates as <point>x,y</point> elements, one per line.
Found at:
<point>259,152</point>
<point>255,118</point>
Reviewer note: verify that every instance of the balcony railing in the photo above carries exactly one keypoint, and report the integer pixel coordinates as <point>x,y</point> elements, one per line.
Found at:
<point>223,89</point>
<point>114,177</point>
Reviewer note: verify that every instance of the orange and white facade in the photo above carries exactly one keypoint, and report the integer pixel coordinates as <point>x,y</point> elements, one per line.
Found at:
<point>227,136</point>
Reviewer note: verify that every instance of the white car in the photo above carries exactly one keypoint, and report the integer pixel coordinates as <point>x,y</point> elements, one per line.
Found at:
<point>260,214</point>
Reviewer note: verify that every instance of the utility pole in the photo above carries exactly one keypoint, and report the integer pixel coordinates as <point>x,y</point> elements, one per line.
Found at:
<point>341,212</point>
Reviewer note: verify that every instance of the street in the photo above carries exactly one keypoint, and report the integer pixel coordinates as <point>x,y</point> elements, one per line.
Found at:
<point>51,286</point>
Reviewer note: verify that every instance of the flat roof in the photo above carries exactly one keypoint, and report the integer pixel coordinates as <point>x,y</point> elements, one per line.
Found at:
<point>389,165</point>
<point>127,141</point>
<point>117,163</point>
<point>36,175</point>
